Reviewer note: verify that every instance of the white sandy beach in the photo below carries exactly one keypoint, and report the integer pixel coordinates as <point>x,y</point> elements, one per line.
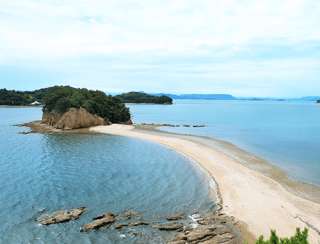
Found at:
<point>260,202</point>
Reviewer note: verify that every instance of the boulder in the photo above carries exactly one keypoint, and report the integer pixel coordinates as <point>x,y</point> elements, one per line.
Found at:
<point>98,222</point>
<point>168,226</point>
<point>61,216</point>
<point>74,118</point>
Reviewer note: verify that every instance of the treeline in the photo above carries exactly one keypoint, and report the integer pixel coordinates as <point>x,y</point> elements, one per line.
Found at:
<point>141,97</point>
<point>15,98</point>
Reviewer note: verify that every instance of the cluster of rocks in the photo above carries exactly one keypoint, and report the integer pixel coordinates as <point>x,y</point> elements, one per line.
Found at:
<point>211,228</point>
<point>171,125</point>
<point>214,228</point>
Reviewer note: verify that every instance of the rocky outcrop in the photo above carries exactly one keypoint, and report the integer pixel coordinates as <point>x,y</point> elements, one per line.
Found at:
<point>61,216</point>
<point>74,118</point>
<point>168,226</point>
<point>100,221</point>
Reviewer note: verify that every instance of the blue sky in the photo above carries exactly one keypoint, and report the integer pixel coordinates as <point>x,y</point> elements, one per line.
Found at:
<point>242,47</point>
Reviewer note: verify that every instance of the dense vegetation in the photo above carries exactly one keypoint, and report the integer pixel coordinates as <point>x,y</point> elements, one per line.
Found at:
<point>15,98</point>
<point>141,97</point>
<point>60,98</point>
<point>301,237</point>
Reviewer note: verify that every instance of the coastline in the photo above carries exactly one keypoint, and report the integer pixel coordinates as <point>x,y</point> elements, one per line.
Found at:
<point>260,196</point>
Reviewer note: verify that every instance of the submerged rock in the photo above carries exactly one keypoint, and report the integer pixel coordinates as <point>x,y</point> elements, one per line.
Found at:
<point>98,222</point>
<point>169,226</point>
<point>176,216</point>
<point>120,226</point>
<point>129,214</point>
<point>61,216</point>
<point>138,223</point>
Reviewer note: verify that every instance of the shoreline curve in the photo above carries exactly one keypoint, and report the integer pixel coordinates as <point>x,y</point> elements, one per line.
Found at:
<point>260,196</point>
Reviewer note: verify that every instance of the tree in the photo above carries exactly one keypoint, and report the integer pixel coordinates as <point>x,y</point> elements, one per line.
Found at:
<point>300,237</point>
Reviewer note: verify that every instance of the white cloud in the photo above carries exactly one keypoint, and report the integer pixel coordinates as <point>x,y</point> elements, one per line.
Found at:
<point>64,28</point>
<point>204,39</point>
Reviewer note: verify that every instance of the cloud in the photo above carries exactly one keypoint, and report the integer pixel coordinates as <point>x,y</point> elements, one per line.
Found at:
<point>177,40</point>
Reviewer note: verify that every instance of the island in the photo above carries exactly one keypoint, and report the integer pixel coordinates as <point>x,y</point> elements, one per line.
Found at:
<point>318,101</point>
<point>141,97</point>
<point>67,108</point>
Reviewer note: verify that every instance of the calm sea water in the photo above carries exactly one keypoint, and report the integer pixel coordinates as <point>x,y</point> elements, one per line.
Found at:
<point>48,172</point>
<point>285,133</point>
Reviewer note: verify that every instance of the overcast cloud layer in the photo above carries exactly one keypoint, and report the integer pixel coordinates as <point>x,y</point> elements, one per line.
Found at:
<point>243,47</point>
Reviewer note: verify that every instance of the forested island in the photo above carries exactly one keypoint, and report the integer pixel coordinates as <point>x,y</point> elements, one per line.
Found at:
<point>318,101</point>
<point>141,97</point>
<point>65,107</point>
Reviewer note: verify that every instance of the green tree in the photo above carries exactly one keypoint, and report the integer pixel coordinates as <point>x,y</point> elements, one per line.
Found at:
<point>300,237</point>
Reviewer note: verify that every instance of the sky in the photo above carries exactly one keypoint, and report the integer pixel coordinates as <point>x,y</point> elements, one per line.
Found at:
<point>241,47</point>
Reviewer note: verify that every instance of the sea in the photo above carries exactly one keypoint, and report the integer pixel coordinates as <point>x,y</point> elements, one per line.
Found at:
<point>43,173</point>
<point>285,133</point>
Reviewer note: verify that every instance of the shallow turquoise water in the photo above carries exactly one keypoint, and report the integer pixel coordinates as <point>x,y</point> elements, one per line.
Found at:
<point>104,173</point>
<point>285,133</point>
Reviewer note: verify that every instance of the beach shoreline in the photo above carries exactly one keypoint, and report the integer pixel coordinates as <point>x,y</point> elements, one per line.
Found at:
<point>259,196</point>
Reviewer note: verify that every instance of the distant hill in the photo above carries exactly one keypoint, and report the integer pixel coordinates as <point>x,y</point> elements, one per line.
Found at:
<point>200,96</point>
<point>141,97</point>
<point>310,98</point>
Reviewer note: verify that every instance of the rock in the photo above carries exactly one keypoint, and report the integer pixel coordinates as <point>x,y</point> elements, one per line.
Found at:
<point>98,222</point>
<point>227,237</point>
<point>169,226</point>
<point>61,216</point>
<point>138,223</point>
<point>120,226</point>
<point>200,234</point>
<point>176,216</point>
<point>74,118</point>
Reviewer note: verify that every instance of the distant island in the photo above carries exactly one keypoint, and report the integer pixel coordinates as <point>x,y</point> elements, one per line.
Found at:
<point>318,101</point>
<point>65,107</point>
<point>141,97</point>
<point>199,96</point>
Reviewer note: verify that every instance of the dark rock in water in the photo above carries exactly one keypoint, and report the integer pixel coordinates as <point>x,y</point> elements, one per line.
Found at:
<point>138,223</point>
<point>98,222</point>
<point>120,226</point>
<point>198,126</point>
<point>176,216</point>
<point>61,216</point>
<point>168,226</point>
